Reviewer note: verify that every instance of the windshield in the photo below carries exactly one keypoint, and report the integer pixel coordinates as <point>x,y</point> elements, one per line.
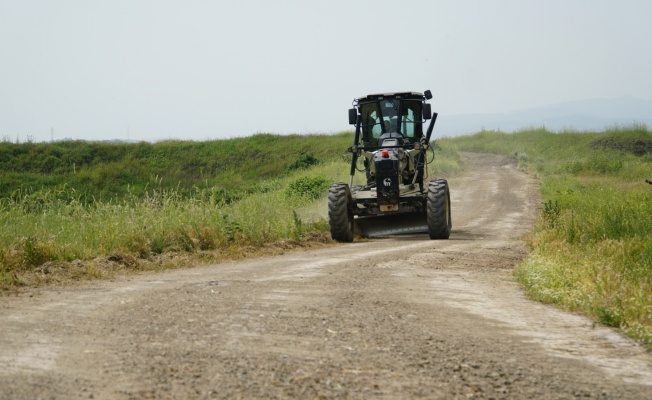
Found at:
<point>391,115</point>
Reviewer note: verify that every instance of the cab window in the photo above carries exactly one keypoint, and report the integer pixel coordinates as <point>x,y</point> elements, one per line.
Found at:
<point>411,119</point>
<point>371,124</point>
<point>389,108</point>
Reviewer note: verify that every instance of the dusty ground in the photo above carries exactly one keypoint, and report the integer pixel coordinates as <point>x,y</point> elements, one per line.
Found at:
<point>400,317</point>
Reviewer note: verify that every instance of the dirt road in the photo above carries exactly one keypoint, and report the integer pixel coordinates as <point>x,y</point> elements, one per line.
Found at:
<point>400,317</point>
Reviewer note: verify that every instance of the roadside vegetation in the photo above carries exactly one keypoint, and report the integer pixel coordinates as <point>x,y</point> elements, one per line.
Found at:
<point>82,210</point>
<point>591,250</point>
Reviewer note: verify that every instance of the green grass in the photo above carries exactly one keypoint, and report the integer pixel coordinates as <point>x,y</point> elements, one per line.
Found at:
<point>58,232</point>
<point>111,171</point>
<point>591,250</point>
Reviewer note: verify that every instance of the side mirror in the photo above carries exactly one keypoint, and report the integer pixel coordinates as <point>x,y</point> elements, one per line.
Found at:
<point>427,94</point>
<point>427,111</point>
<point>353,116</point>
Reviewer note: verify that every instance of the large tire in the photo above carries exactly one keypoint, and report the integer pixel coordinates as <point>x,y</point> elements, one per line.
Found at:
<point>439,210</point>
<point>340,212</point>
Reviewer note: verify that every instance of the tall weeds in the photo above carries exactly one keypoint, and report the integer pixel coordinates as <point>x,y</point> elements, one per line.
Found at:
<point>58,233</point>
<point>592,247</point>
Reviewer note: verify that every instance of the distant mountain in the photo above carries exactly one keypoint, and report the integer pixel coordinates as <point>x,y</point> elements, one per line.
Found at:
<point>592,115</point>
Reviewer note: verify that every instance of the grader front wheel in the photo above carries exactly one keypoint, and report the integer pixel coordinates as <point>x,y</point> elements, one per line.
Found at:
<point>439,210</point>
<point>340,213</point>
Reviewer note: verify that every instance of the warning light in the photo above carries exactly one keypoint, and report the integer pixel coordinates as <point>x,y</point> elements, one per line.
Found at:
<point>385,153</point>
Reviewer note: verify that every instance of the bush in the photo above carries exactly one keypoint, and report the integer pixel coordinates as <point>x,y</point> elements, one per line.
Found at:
<point>307,187</point>
<point>303,162</point>
<point>635,139</point>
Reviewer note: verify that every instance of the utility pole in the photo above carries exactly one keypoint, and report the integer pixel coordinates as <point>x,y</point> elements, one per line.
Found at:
<point>51,134</point>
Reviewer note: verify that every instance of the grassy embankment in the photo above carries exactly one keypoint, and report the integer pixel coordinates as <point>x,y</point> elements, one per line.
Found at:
<point>80,210</point>
<point>591,250</point>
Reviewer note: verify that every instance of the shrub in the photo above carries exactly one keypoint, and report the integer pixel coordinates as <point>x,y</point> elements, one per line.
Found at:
<point>635,139</point>
<point>303,162</point>
<point>307,187</point>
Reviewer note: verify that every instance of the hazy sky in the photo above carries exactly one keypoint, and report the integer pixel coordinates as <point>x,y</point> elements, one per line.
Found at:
<point>155,70</point>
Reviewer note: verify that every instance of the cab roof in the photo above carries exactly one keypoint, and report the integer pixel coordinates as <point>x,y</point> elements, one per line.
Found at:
<point>376,96</point>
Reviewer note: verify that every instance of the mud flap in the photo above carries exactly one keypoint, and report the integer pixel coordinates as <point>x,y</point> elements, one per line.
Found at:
<point>392,224</point>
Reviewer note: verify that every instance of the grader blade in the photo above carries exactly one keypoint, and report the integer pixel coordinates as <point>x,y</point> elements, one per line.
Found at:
<point>386,225</point>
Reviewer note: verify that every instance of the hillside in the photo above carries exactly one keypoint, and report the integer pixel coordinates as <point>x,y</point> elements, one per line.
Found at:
<point>103,170</point>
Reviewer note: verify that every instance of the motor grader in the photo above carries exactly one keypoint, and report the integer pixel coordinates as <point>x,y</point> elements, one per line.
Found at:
<point>398,196</point>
